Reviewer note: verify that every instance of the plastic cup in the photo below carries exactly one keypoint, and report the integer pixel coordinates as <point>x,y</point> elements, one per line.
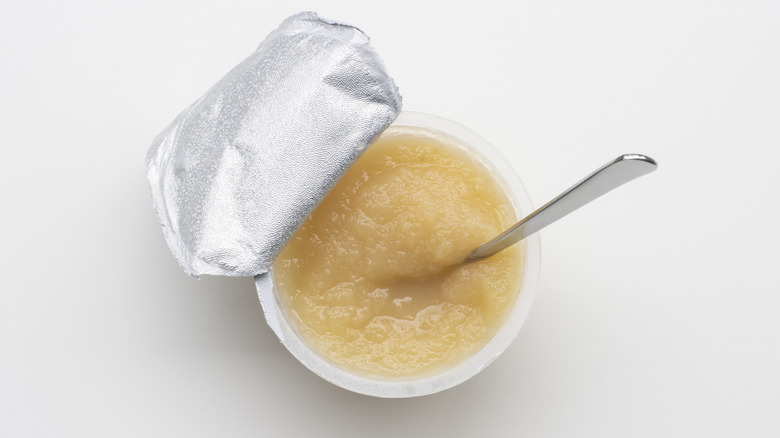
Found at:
<point>457,135</point>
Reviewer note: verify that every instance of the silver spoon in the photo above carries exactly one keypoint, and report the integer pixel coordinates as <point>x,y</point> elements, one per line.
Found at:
<point>610,176</point>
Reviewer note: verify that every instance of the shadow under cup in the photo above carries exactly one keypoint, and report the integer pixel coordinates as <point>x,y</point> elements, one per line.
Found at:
<point>456,135</point>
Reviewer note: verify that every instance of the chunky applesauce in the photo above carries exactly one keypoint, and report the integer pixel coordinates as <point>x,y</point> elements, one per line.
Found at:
<point>367,281</point>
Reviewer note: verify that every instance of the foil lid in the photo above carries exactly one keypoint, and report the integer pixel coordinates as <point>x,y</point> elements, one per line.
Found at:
<point>237,173</point>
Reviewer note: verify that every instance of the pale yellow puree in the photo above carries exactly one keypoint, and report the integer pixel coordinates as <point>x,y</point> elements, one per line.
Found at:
<point>364,281</point>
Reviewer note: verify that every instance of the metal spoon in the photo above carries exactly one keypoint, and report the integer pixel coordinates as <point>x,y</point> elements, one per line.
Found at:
<point>610,176</point>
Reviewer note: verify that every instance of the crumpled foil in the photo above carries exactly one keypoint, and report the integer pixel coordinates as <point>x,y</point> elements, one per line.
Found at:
<point>238,172</point>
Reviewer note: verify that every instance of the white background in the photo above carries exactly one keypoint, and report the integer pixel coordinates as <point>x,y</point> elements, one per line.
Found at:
<point>658,312</point>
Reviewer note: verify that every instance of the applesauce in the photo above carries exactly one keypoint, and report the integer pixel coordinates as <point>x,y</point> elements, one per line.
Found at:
<point>368,280</point>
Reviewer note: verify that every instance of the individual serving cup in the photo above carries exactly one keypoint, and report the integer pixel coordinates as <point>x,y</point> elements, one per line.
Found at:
<point>456,135</point>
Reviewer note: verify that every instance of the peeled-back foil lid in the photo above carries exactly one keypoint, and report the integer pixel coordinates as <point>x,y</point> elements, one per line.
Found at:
<point>238,172</point>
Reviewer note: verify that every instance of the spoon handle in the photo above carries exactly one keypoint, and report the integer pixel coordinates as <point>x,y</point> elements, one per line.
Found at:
<point>610,176</point>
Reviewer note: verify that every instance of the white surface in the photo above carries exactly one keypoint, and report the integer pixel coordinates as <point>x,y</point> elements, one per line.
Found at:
<point>658,308</point>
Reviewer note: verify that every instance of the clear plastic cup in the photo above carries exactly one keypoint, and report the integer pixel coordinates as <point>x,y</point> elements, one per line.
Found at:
<point>457,135</point>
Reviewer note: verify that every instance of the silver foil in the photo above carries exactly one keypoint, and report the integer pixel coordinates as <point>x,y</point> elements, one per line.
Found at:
<point>237,173</point>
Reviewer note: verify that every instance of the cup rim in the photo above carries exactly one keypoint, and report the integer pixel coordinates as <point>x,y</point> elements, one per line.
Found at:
<point>484,152</point>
